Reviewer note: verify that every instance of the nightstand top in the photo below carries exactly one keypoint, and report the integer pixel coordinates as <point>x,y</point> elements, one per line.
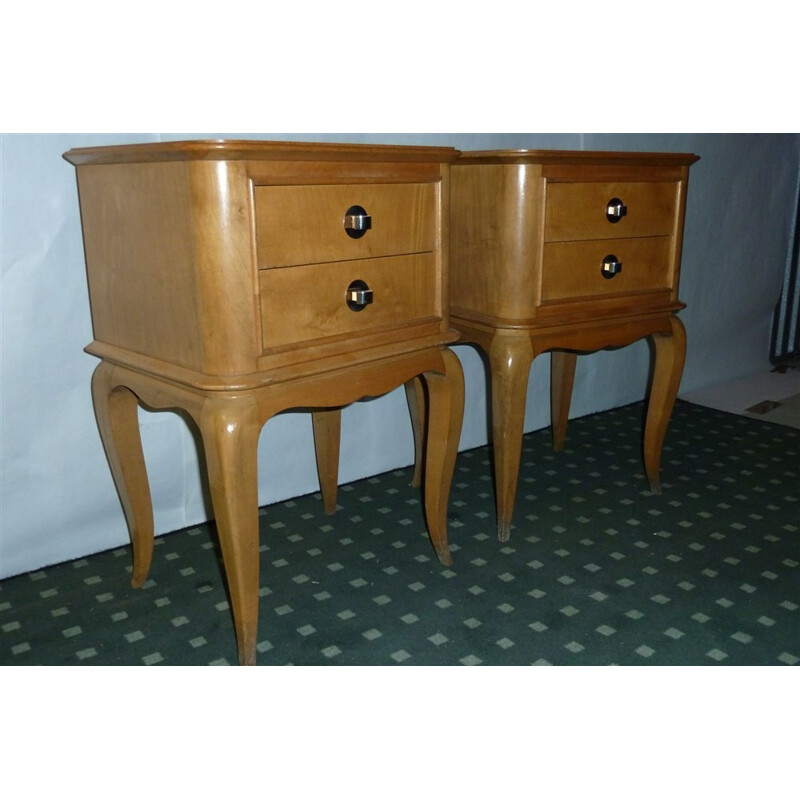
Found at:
<point>575,157</point>
<point>256,150</point>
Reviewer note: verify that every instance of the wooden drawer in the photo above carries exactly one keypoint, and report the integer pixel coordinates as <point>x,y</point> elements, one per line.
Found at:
<point>308,303</point>
<point>305,224</point>
<point>575,211</point>
<point>572,270</point>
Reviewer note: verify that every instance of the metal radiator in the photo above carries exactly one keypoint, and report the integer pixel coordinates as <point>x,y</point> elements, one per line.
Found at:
<point>785,345</point>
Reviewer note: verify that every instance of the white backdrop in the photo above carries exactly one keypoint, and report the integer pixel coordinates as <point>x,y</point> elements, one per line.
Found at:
<point>57,501</point>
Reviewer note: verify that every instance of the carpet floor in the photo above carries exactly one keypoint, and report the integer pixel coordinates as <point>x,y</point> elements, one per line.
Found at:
<point>598,571</point>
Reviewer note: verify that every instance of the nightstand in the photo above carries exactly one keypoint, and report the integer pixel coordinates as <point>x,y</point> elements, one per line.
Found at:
<point>567,252</point>
<point>236,279</point>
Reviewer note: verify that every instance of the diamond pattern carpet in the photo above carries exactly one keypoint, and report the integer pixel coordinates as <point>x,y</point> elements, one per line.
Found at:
<point>598,570</point>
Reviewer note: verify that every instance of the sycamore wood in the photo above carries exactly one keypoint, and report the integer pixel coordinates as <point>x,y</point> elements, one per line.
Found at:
<point>562,378</point>
<point>415,397</point>
<point>217,276</point>
<point>529,232</point>
<point>327,426</point>
<point>230,424</point>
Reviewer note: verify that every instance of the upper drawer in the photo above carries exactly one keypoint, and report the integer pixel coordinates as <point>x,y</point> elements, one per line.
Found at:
<point>306,224</point>
<point>580,210</point>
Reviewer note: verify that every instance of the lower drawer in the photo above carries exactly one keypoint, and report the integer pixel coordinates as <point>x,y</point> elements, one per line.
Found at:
<point>309,303</point>
<point>571,270</point>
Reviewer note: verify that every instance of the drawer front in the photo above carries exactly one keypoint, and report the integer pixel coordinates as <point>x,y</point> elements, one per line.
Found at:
<point>577,211</point>
<point>309,303</point>
<point>306,224</point>
<point>573,270</point>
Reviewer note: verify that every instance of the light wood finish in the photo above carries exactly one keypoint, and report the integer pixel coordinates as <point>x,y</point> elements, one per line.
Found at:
<point>415,397</point>
<point>571,270</point>
<point>529,233</point>
<point>574,210</point>
<point>327,426</point>
<point>309,228</point>
<point>405,290</point>
<point>670,348</point>
<point>116,410</point>
<point>217,278</point>
<point>562,377</point>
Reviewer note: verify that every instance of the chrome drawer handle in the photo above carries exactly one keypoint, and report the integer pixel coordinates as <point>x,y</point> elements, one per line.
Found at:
<point>356,222</point>
<point>610,267</point>
<point>358,296</point>
<point>615,210</point>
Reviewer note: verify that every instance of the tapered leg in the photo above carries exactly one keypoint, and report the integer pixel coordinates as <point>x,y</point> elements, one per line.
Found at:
<point>415,397</point>
<point>510,360</point>
<point>230,431</point>
<point>327,424</point>
<point>562,378</point>
<point>115,408</point>
<point>445,415</point>
<point>669,359</point>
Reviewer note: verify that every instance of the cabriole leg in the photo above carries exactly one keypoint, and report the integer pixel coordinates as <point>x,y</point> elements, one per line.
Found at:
<point>562,379</point>
<point>415,397</point>
<point>230,431</point>
<point>327,424</point>
<point>116,410</point>
<point>445,415</point>
<point>669,360</point>
<point>510,360</point>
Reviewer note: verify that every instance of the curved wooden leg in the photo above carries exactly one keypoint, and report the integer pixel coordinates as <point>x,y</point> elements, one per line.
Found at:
<point>230,431</point>
<point>415,397</point>
<point>669,359</point>
<point>327,424</point>
<point>445,415</point>
<point>510,360</point>
<point>116,410</point>
<point>562,378</point>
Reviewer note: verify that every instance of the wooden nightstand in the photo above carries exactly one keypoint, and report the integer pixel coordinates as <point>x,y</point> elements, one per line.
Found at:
<point>568,252</point>
<point>236,279</point>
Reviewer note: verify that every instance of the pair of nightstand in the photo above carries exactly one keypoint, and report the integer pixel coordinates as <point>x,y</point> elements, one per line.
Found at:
<point>234,280</point>
<point>566,252</point>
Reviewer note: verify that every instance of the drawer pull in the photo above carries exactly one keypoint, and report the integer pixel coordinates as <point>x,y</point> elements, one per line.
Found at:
<point>358,296</point>
<point>610,267</point>
<point>356,222</point>
<point>615,210</point>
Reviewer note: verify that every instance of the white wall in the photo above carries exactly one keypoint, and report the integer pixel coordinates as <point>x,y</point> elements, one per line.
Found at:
<point>57,501</point>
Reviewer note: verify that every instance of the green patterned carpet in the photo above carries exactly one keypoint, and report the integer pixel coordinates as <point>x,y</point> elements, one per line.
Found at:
<point>598,570</point>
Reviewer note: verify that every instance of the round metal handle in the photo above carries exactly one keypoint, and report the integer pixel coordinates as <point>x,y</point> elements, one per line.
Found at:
<point>356,222</point>
<point>610,267</point>
<point>615,210</point>
<point>358,296</point>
